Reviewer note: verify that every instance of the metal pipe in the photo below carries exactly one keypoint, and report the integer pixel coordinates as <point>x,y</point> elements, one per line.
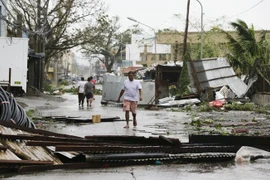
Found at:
<point>201,49</point>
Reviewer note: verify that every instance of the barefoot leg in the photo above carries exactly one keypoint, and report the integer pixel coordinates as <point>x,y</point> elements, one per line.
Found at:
<point>134,120</point>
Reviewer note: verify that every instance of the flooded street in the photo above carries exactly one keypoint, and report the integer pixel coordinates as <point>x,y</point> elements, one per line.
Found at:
<point>150,123</point>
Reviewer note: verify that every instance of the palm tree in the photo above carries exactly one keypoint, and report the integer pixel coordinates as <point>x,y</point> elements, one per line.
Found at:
<point>245,48</point>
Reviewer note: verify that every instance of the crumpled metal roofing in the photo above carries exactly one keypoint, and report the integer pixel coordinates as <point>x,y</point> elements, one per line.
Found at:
<point>213,73</point>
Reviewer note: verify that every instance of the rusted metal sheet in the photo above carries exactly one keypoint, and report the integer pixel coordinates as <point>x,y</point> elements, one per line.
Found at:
<point>132,149</point>
<point>262,142</point>
<point>80,119</point>
<point>135,140</point>
<point>124,160</point>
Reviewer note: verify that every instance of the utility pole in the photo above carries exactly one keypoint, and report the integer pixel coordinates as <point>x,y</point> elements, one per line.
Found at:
<point>201,48</point>
<point>186,30</point>
<point>40,40</point>
<point>38,47</point>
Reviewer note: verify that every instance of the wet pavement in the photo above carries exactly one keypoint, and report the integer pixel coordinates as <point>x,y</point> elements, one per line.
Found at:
<point>150,123</point>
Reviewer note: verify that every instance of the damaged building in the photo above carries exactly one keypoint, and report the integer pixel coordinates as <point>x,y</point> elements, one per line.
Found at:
<point>210,75</point>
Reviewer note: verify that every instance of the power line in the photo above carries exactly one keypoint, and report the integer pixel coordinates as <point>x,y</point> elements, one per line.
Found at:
<point>247,9</point>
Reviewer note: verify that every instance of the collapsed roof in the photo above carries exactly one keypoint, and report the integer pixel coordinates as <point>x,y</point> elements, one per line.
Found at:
<point>215,73</point>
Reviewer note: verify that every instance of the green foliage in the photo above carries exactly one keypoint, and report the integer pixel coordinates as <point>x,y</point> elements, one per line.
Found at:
<point>204,107</point>
<point>245,47</point>
<point>98,92</point>
<point>208,121</point>
<point>64,83</point>
<point>47,86</point>
<point>260,110</point>
<point>196,123</point>
<point>72,90</point>
<point>211,47</point>
<point>241,107</point>
<point>30,113</point>
<point>111,43</point>
<point>184,79</point>
<point>61,23</point>
<point>172,90</point>
<point>188,108</point>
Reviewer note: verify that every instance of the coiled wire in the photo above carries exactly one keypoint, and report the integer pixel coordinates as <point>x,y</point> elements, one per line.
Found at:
<point>10,111</point>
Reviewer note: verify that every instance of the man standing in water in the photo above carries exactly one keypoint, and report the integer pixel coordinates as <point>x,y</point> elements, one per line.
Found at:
<point>131,88</point>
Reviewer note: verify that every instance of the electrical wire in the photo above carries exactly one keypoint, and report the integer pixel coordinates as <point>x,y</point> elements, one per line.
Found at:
<point>247,9</point>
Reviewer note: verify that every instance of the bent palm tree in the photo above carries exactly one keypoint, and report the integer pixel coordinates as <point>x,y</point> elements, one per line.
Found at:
<point>245,48</point>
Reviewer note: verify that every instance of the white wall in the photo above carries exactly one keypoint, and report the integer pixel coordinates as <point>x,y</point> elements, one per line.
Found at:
<point>14,55</point>
<point>112,86</point>
<point>136,47</point>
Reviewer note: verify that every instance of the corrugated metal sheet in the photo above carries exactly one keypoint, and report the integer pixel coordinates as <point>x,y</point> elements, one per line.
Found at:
<point>214,73</point>
<point>113,78</point>
<point>112,86</point>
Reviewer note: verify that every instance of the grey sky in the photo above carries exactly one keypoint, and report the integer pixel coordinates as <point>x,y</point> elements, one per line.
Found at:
<point>160,14</point>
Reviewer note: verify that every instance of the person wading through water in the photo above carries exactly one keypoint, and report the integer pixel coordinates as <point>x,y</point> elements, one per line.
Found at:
<point>131,89</point>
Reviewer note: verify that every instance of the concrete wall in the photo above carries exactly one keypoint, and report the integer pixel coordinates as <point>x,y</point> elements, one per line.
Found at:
<point>261,99</point>
<point>112,86</point>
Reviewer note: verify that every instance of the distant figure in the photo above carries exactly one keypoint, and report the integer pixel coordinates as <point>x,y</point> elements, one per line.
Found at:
<point>81,95</point>
<point>89,89</point>
<point>131,88</point>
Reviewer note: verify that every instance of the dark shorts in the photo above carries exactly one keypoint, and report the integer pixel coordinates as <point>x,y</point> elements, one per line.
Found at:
<point>89,95</point>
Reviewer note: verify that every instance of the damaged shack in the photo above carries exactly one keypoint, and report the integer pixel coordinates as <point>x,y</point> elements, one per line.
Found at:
<point>155,83</point>
<point>210,75</point>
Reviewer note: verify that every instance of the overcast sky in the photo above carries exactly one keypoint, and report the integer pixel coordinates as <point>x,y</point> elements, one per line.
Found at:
<point>160,14</point>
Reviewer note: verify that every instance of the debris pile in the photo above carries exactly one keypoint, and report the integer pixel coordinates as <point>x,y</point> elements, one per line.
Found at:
<point>26,149</point>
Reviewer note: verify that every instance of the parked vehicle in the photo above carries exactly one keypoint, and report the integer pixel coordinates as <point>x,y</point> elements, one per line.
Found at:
<point>13,68</point>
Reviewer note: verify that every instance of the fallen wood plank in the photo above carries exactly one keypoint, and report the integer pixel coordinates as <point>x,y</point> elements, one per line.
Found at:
<point>3,148</point>
<point>36,131</point>
<point>25,162</point>
<point>40,137</point>
<point>140,140</point>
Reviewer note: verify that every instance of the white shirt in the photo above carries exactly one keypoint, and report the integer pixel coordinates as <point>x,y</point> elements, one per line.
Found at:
<point>81,86</point>
<point>131,89</point>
